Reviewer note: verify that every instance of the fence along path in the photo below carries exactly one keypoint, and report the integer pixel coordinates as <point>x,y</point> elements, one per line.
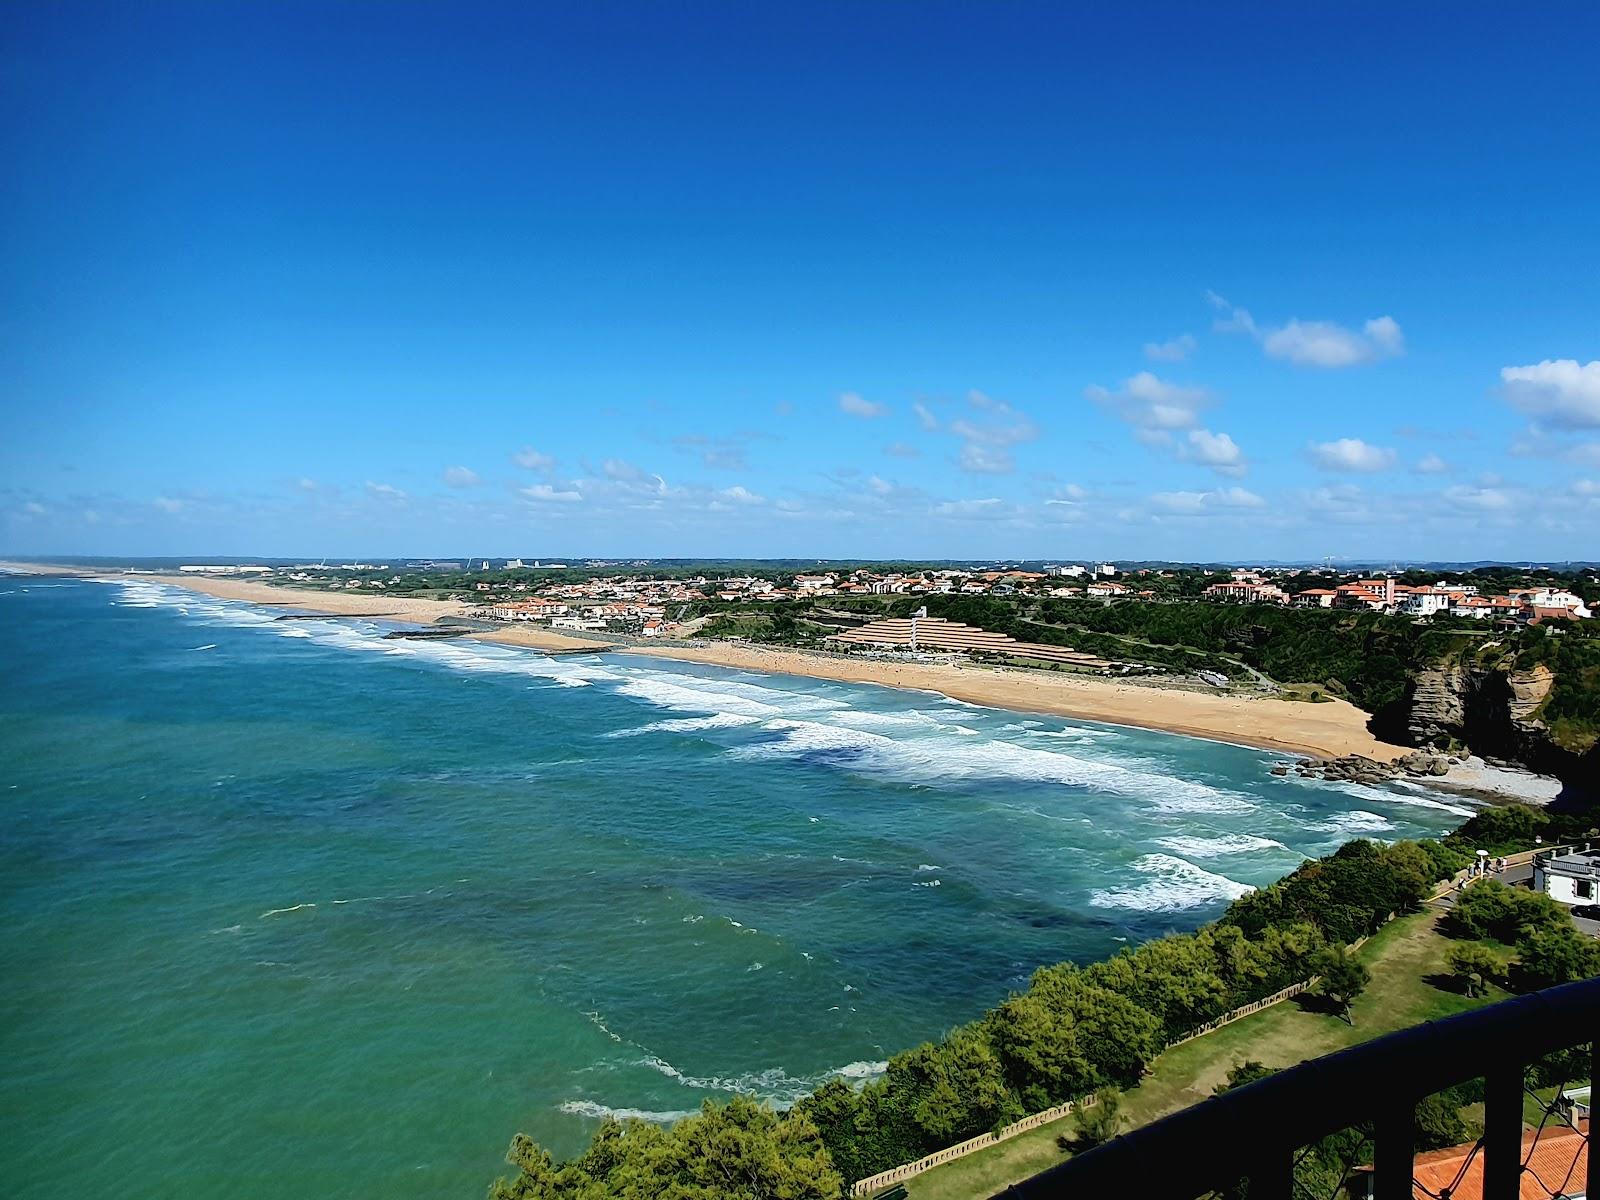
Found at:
<point>873,1183</point>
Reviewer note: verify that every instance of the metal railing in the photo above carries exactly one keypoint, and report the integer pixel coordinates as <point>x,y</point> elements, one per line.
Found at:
<point>1254,1132</point>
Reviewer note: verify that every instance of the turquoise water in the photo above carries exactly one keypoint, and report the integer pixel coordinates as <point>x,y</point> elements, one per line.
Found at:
<point>293,911</point>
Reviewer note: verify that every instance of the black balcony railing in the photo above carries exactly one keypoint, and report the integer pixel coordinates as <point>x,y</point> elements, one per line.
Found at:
<point>1255,1132</point>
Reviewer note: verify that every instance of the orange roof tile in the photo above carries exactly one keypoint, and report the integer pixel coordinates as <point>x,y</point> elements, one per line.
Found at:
<point>1554,1158</point>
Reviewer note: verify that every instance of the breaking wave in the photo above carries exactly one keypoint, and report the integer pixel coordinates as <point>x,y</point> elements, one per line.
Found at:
<point>598,1112</point>
<point>1178,885</point>
<point>1220,847</point>
<point>936,761</point>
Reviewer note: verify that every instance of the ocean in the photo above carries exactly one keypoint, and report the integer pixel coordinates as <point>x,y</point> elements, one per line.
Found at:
<point>288,910</point>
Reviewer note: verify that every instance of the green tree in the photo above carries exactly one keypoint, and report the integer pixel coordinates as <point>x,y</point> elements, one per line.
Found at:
<point>1341,978</point>
<point>1099,1122</point>
<point>741,1150</point>
<point>1475,966</point>
<point>1241,1074</point>
<point>1552,955</point>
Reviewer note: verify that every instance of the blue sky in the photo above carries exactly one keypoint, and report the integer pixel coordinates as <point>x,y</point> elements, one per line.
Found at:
<point>1048,281</point>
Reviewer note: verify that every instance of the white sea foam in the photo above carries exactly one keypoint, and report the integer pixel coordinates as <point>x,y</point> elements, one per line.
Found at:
<point>272,912</point>
<point>1356,820</point>
<point>1176,884</point>
<point>938,760</point>
<point>1220,847</point>
<point>688,725</point>
<point>773,1084</point>
<point>598,1112</point>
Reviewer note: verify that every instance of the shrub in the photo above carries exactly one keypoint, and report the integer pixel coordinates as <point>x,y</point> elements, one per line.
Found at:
<point>1475,966</point>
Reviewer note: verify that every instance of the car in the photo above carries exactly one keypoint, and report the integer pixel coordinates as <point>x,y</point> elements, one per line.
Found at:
<point>1588,911</point>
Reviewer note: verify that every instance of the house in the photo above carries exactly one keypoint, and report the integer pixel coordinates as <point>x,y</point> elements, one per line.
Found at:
<point>1569,878</point>
<point>1314,598</point>
<point>1249,590</point>
<point>1424,602</point>
<point>1106,588</point>
<point>1556,1153</point>
<point>651,629</point>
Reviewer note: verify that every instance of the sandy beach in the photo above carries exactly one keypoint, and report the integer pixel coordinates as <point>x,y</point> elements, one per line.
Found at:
<point>1324,730</point>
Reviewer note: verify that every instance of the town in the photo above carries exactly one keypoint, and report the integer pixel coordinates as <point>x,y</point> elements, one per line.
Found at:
<point>643,600</point>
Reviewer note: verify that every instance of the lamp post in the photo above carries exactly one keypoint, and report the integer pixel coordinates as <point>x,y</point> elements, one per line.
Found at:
<point>1483,862</point>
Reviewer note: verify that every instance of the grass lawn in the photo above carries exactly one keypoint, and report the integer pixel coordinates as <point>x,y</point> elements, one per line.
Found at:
<point>1401,957</point>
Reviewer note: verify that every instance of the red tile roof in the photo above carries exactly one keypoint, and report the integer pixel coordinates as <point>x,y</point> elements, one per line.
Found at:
<point>1554,1158</point>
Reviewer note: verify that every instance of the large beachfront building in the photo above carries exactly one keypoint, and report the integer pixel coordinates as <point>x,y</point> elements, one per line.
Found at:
<point>1569,878</point>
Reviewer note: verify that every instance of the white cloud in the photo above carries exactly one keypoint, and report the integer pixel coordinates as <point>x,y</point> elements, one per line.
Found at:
<point>1557,392</point>
<point>1582,487</point>
<point>621,470</point>
<point>1215,450</point>
<point>1179,502</point>
<point>34,509</point>
<point>461,477</point>
<point>308,485</point>
<point>986,460</point>
<point>1326,344</point>
<point>1191,503</point>
<point>1485,499</point>
<point>925,417</point>
<point>383,491</point>
<point>1315,343</point>
<point>901,450</point>
<point>533,460</point>
<point>879,486</point>
<point>858,405</point>
<point>544,493</point>
<point>1176,350</point>
<point>167,504</point>
<point>1238,497</point>
<point>741,495</point>
<point>988,433</point>
<point>1152,405</point>
<point>1237,320</point>
<point>1431,464</point>
<point>1352,454</point>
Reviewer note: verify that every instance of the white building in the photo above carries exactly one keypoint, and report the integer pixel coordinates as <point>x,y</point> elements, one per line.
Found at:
<point>1569,878</point>
<point>1424,602</point>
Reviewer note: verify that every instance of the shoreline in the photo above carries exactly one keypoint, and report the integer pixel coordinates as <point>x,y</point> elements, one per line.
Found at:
<point>1326,730</point>
<point>1334,729</point>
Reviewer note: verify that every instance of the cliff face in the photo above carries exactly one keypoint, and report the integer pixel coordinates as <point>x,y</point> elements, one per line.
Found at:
<point>1491,711</point>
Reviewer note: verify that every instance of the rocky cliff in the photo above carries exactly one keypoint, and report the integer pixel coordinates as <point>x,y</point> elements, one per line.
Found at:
<point>1491,710</point>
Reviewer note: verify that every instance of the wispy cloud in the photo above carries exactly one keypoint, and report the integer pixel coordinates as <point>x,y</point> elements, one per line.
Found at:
<point>1176,350</point>
<point>858,405</point>
<point>461,477</point>
<point>530,459</point>
<point>1153,406</point>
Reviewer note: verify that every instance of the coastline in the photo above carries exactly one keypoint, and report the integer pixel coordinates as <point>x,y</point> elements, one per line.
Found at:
<point>1326,730</point>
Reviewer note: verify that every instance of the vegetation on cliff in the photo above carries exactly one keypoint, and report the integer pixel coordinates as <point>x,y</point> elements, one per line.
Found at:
<point>1074,1030</point>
